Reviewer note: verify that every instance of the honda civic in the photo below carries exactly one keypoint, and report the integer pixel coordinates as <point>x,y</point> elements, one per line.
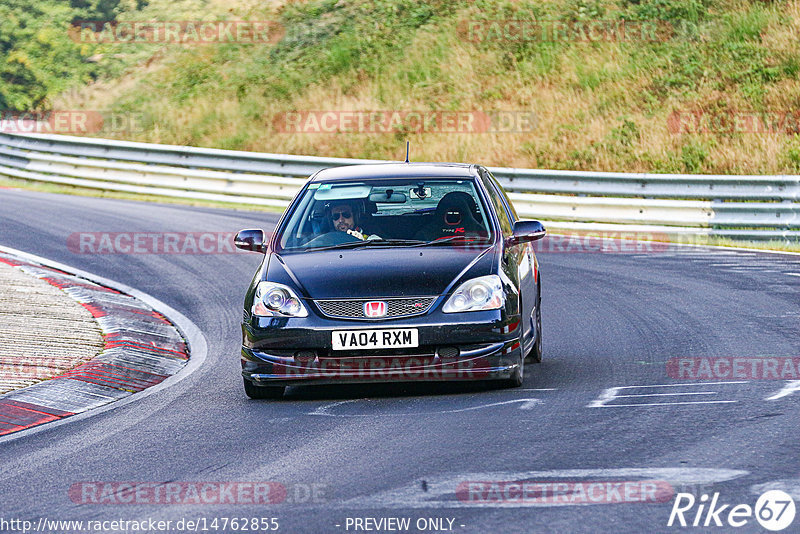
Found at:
<point>393,272</point>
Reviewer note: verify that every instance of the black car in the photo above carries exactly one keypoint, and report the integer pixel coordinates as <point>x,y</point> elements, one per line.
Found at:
<point>393,272</point>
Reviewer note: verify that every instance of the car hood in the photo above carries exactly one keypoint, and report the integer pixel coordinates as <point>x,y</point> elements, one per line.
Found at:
<point>376,272</point>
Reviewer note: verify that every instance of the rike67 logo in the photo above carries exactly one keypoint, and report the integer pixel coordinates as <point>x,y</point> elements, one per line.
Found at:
<point>774,510</point>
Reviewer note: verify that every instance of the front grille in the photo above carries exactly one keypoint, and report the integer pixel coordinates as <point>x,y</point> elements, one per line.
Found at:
<point>448,352</point>
<point>395,307</point>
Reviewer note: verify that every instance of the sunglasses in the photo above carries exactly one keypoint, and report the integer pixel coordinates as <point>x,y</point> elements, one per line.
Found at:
<point>345,214</point>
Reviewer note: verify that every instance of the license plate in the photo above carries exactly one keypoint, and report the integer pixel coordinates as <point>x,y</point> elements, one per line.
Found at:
<point>375,339</point>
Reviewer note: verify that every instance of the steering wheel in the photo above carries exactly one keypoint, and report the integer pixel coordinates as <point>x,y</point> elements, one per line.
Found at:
<point>334,237</point>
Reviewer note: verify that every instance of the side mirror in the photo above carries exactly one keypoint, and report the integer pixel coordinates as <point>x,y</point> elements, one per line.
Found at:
<point>525,231</point>
<point>251,239</point>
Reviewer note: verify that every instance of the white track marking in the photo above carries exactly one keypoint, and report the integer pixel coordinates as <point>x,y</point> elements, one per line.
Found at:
<point>665,404</point>
<point>606,396</point>
<point>526,404</point>
<point>610,394</point>
<point>789,485</point>
<point>787,390</point>
<point>670,394</point>
<point>323,410</point>
<point>530,404</point>
<point>679,385</point>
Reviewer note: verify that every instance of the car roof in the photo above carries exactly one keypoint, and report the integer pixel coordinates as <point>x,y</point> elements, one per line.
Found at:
<point>395,170</point>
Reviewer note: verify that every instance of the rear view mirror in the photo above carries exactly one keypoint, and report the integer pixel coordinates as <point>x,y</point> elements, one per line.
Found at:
<point>388,196</point>
<point>526,231</point>
<point>251,239</point>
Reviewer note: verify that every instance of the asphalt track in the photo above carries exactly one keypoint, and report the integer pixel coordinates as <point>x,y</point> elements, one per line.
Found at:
<point>610,321</point>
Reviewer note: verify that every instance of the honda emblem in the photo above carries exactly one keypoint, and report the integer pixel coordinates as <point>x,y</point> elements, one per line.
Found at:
<point>374,309</point>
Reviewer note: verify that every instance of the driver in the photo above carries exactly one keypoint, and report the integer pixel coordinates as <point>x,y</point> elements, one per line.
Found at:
<point>344,219</point>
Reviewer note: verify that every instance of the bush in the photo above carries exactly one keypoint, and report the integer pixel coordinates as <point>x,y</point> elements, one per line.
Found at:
<point>693,157</point>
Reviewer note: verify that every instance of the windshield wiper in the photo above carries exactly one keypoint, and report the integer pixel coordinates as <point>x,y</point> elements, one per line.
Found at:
<point>349,244</point>
<point>370,242</point>
<point>395,242</point>
<point>461,238</point>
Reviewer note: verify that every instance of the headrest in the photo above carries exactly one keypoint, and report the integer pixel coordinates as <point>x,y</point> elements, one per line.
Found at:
<point>456,200</point>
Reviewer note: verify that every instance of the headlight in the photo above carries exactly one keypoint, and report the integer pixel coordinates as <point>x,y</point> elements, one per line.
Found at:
<point>482,293</point>
<point>277,300</point>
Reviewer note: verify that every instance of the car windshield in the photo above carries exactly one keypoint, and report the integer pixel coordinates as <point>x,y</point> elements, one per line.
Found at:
<point>387,213</point>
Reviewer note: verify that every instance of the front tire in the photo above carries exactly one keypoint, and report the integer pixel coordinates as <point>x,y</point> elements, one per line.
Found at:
<point>262,392</point>
<point>518,376</point>
<point>535,354</point>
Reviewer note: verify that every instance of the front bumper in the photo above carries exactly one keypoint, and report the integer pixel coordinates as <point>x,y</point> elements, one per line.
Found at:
<point>471,346</point>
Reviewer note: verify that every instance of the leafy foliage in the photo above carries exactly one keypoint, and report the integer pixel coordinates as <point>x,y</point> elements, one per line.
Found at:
<point>39,58</point>
<point>603,104</point>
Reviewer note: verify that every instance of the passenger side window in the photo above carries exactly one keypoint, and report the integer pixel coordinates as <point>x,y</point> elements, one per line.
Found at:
<point>505,222</point>
<point>502,192</point>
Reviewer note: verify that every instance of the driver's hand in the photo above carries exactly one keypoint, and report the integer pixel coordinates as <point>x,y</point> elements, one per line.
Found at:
<point>357,235</point>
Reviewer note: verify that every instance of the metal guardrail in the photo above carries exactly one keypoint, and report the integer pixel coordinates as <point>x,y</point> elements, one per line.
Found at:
<point>750,207</point>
